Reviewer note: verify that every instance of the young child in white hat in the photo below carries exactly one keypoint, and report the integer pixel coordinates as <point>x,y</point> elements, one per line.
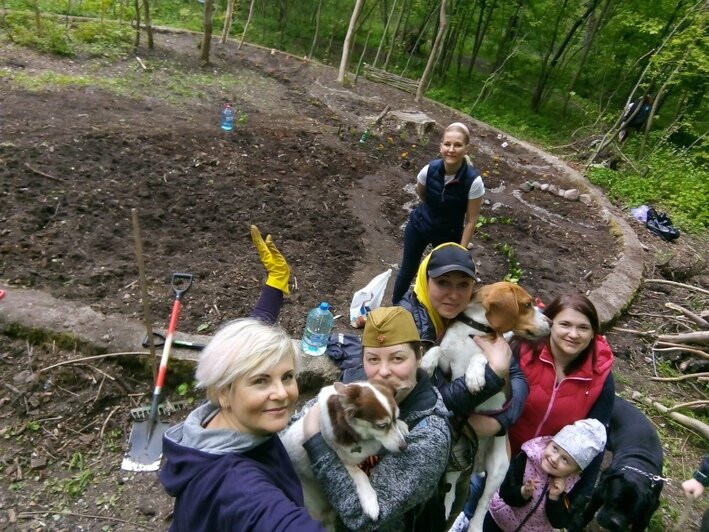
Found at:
<point>535,495</point>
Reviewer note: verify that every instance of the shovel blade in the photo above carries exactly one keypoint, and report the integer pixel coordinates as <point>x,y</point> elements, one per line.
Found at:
<point>144,446</point>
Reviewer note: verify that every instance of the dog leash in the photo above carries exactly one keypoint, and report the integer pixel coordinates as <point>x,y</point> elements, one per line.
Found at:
<point>653,478</point>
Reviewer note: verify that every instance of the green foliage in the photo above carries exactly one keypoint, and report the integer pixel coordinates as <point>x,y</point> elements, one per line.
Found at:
<point>514,272</point>
<point>49,37</point>
<point>106,39</point>
<point>75,485</point>
<point>674,183</point>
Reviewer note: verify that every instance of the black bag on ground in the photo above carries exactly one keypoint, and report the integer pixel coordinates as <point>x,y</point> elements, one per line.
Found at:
<point>661,225</point>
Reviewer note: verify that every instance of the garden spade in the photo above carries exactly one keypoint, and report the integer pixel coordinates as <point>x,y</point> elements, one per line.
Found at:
<point>145,441</point>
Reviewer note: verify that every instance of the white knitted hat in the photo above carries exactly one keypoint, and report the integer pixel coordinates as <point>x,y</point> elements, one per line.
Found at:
<point>583,440</point>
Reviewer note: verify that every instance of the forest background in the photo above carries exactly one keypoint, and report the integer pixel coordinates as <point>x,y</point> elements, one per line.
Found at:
<point>559,73</point>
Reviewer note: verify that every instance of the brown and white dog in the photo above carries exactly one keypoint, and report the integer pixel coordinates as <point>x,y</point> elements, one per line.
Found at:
<point>356,420</point>
<point>496,309</point>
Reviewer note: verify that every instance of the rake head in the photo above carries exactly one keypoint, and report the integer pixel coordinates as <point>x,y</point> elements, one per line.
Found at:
<point>166,409</point>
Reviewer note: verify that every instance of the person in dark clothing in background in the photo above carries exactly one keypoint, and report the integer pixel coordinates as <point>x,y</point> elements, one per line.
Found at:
<point>636,114</point>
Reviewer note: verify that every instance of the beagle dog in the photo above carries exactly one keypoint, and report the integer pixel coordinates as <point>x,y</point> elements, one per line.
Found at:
<point>497,309</point>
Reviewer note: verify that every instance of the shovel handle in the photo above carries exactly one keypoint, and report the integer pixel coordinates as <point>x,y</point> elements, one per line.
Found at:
<point>178,283</point>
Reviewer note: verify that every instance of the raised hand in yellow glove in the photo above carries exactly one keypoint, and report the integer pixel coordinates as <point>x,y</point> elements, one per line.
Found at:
<point>275,263</point>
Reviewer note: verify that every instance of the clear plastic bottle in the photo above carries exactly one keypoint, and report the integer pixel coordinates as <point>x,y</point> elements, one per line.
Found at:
<point>317,330</point>
<point>227,121</point>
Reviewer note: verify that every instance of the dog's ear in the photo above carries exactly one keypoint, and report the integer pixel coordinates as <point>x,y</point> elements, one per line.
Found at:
<point>501,308</point>
<point>346,395</point>
<point>340,388</point>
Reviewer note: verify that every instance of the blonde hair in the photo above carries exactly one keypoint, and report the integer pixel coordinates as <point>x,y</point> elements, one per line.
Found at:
<point>460,127</point>
<point>242,347</point>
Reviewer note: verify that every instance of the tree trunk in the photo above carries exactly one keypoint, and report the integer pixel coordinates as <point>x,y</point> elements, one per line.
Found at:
<point>246,26</point>
<point>136,44</point>
<point>344,60</point>
<point>482,30</point>
<point>464,37</point>
<point>282,23</point>
<point>148,24</point>
<point>418,39</point>
<point>595,25</point>
<point>394,35</point>
<point>228,19</point>
<point>548,67</point>
<point>317,29</point>
<point>384,34</point>
<point>510,34</point>
<point>207,37</point>
<point>435,52</point>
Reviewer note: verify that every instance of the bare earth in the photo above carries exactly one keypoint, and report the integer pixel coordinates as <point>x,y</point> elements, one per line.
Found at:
<point>75,160</point>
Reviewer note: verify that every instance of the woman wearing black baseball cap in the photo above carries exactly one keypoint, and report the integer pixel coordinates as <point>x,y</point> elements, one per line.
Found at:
<point>444,286</point>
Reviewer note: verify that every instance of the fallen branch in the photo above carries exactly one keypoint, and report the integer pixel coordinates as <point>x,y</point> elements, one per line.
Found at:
<point>685,421</point>
<point>39,172</point>
<point>699,337</point>
<point>680,378</point>
<point>29,515</point>
<point>94,357</point>
<point>675,283</point>
<point>382,115</point>
<point>678,347</point>
<point>704,324</point>
<point>644,334</point>
<point>690,404</point>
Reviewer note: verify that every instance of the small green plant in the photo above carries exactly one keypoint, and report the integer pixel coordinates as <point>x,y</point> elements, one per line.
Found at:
<point>33,426</point>
<point>514,271</point>
<point>114,439</point>
<point>75,485</point>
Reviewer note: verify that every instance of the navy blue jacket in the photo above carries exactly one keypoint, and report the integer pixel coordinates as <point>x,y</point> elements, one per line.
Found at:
<point>255,490</point>
<point>445,206</point>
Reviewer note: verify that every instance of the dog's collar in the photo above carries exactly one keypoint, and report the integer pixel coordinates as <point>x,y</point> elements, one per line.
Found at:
<point>653,478</point>
<point>474,324</point>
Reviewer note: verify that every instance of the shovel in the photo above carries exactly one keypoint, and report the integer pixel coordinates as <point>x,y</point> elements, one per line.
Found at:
<point>145,441</point>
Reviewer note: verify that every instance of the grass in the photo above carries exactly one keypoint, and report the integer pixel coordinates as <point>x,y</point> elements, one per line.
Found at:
<point>166,83</point>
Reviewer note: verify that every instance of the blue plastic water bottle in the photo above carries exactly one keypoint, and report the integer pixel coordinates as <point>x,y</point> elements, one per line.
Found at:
<point>227,117</point>
<point>317,330</point>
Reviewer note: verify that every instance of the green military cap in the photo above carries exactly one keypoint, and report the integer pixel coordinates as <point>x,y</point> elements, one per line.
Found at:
<point>387,326</point>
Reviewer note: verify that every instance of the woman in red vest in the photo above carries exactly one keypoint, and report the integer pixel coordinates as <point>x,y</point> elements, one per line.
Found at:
<point>569,372</point>
<point>569,377</point>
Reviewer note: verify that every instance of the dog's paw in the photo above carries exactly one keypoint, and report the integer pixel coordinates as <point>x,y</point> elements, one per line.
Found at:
<point>429,362</point>
<point>475,374</point>
<point>370,505</point>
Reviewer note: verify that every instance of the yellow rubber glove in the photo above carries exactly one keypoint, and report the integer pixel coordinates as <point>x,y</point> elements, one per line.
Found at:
<point>275,263</point>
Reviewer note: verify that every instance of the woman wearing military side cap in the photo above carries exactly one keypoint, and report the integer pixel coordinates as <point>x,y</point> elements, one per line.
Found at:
<point>407,483</point>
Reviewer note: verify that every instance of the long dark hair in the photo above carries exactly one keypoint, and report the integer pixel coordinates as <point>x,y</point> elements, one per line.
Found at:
<point>581,304</point>
<point>573,301</point>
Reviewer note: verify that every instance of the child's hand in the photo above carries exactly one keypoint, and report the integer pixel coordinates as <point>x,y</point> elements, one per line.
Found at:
<point>556,488</point>
<point>528,487</point>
